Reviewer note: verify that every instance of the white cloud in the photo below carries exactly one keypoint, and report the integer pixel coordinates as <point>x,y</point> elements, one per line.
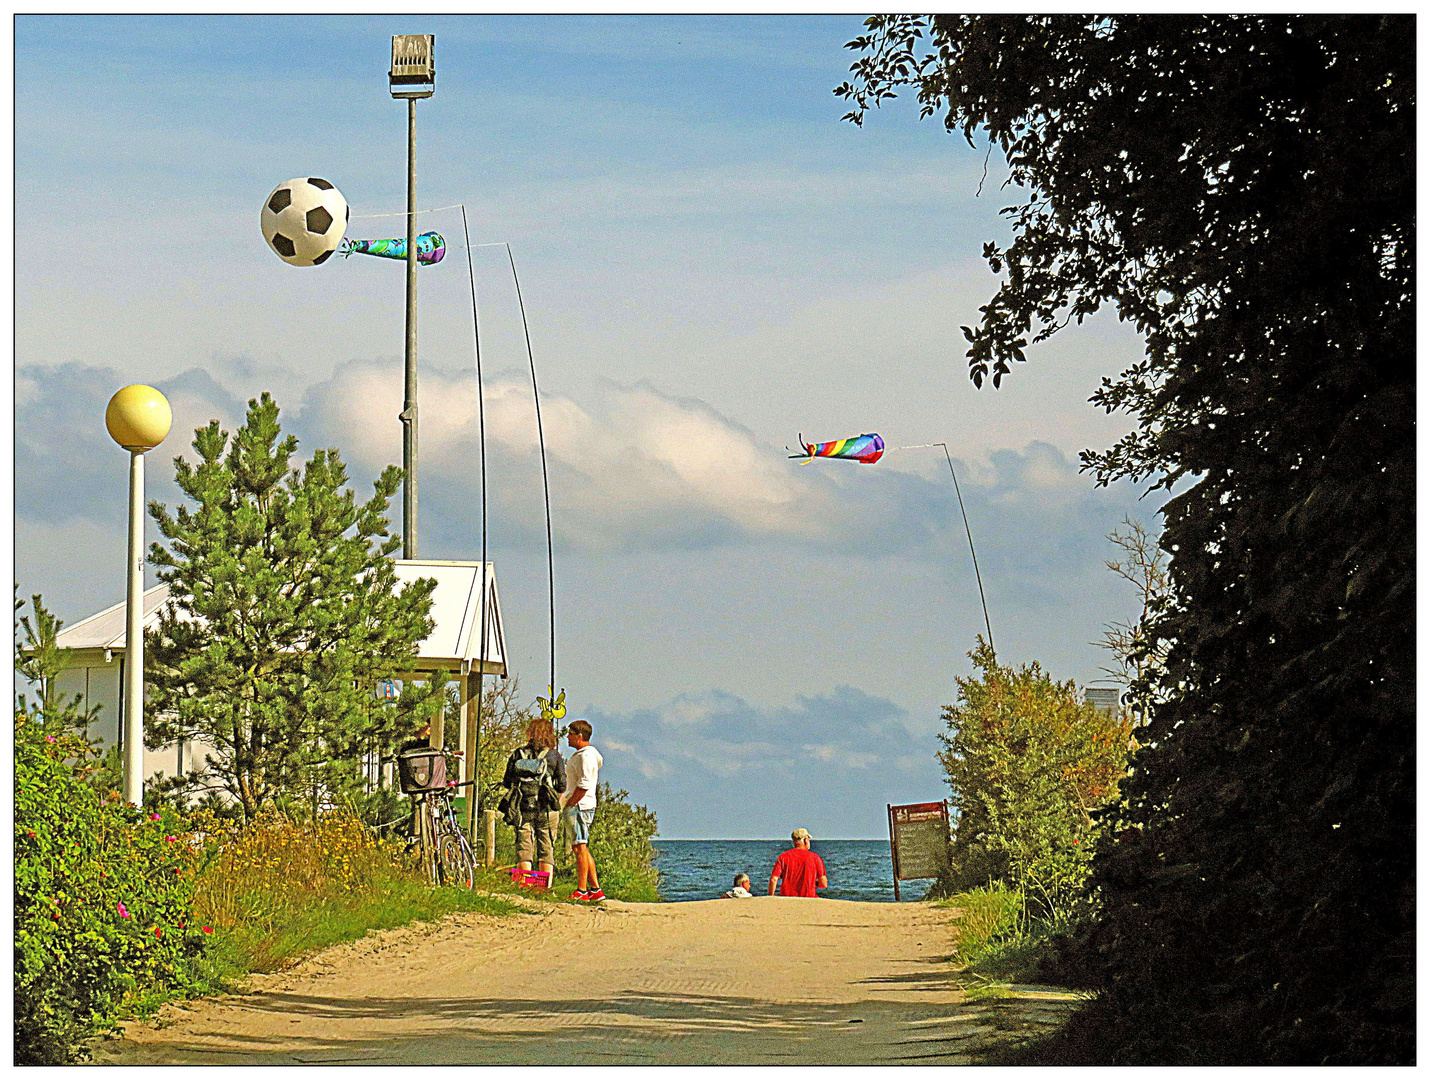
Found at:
<point>842,755</point>
<point>632,463</point>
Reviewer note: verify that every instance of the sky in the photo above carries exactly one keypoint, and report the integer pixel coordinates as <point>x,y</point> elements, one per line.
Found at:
<point>712,263</point>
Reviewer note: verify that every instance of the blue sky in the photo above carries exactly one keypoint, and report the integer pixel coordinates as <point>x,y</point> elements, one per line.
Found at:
<point>712,262</point>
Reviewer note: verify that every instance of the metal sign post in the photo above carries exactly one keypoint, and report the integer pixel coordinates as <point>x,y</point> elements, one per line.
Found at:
<point>918,841</point>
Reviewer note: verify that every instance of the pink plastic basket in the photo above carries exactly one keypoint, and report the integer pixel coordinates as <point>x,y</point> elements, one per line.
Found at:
<point>531,879</point>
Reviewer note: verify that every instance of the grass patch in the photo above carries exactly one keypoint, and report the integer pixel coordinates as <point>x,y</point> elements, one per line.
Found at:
<point>997,940</point>
<point>277,889</point>
<point>338,919</point>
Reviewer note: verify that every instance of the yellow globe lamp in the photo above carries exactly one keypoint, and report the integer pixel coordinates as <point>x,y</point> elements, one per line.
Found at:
<point>138,417</point>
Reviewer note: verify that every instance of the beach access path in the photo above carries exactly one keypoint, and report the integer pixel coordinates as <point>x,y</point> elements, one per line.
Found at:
<point>770,980</point>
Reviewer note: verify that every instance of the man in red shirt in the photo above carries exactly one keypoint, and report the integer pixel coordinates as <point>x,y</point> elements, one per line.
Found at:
<point>799,870</point>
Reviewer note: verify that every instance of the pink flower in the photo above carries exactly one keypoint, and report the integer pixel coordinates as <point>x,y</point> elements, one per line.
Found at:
<point>170,839</point>
<point>208,929</point>
<point>123,911</point>
<point>49,738</point>
<point>153,817</point>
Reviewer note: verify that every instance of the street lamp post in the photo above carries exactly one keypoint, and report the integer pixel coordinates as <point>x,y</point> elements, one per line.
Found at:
<point>138,419</point>
<point>413,75</point>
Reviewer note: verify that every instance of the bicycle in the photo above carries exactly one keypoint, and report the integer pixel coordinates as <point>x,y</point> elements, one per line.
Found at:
<point>447,855</point>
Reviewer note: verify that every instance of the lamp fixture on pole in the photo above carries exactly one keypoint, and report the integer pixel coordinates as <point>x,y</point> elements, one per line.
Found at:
<point>138,419</point>
<point>413,75</point>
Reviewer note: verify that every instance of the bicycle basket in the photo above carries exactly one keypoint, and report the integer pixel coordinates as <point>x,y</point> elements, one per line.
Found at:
<point>422,771</point>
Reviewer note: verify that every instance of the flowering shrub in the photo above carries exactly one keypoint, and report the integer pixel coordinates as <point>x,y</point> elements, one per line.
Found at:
<point>102,902</point>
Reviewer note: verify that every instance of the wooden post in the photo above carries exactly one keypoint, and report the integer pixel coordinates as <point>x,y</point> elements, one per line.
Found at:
<point>472,744</point>
<point>438,722</point>
<point>490,817</point>
<point>893,850</point>
<point>425,837</point>
<point>461,728</point>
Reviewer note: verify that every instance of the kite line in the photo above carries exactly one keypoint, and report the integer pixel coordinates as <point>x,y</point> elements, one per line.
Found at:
<point>474,764</point>
<point>869,448</point>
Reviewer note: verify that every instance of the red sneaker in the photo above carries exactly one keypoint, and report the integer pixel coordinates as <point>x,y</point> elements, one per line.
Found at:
<point>595,894</point>
<point>579,895</point>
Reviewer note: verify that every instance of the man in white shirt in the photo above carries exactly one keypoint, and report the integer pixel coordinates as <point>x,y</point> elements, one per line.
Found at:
<point>741,891</point>
<point>582,771</point>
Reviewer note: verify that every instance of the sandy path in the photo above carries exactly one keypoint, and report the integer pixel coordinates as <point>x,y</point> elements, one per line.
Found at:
<point>768,980</point>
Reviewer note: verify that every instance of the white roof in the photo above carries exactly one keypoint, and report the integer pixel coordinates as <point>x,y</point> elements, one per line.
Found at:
<point>456,610</point>
<point>106,629</point>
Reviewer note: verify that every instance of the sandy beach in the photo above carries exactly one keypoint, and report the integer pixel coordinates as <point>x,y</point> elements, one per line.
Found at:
<point>762,981</point>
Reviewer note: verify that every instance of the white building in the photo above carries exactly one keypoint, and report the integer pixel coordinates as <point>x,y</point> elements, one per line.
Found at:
<point>97,649</point>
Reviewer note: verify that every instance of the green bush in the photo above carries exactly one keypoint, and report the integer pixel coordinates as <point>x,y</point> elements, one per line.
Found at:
<point>103,901</point>
<point>1028,764</point>
<point>620,845</point>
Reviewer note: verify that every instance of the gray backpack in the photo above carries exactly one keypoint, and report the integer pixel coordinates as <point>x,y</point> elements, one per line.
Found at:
<point>533,776</point>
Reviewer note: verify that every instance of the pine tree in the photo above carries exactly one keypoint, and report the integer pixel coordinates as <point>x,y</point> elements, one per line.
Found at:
<point>38,660</point>
<point>284,618</point>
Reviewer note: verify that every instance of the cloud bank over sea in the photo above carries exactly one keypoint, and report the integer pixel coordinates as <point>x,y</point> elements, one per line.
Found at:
<point>718,766</point>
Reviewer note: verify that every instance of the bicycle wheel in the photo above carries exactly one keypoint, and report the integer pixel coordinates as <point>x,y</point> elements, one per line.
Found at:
<point>456,861</point>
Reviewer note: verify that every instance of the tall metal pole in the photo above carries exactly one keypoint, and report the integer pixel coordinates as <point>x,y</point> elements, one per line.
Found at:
<point>409,385</point>
<point>134,638</point>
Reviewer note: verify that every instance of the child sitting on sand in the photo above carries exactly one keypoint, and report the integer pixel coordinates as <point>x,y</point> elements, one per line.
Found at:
<point>741,889</point>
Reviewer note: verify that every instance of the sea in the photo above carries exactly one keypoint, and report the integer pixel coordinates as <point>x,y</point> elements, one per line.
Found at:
<point>703,869</point>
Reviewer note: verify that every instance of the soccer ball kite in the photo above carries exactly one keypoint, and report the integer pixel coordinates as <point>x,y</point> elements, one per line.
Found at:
<point>304,220</point>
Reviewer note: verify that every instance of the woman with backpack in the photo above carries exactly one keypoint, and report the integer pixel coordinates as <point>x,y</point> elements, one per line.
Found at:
<point>535,779</point>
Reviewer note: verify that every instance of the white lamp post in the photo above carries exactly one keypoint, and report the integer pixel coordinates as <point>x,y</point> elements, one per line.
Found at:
<point>138,419</point>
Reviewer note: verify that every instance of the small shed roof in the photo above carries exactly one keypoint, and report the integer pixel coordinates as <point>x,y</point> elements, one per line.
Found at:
<point>454,644</point>
<point>457,612</point>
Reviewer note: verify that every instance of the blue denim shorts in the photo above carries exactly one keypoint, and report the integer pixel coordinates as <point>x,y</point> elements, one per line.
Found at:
<point>580,824</point>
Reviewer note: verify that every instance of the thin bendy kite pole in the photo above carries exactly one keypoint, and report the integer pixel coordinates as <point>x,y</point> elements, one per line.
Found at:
<point>545,483</point>
<point>987,623</point>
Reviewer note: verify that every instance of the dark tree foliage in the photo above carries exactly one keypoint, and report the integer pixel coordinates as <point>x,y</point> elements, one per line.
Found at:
<point>1242,189</point>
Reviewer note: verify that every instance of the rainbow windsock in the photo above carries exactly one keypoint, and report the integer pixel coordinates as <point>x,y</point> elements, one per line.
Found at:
<point>865,449</point>
<point>430,248</point>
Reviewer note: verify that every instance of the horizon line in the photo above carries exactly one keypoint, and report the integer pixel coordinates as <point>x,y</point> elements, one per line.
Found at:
<point>768,839</point>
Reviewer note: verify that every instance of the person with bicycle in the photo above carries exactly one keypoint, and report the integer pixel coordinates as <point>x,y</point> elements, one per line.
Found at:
<point>535,777</point>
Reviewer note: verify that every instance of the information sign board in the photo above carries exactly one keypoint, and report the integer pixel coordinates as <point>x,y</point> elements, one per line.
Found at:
<point>918,841</point>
